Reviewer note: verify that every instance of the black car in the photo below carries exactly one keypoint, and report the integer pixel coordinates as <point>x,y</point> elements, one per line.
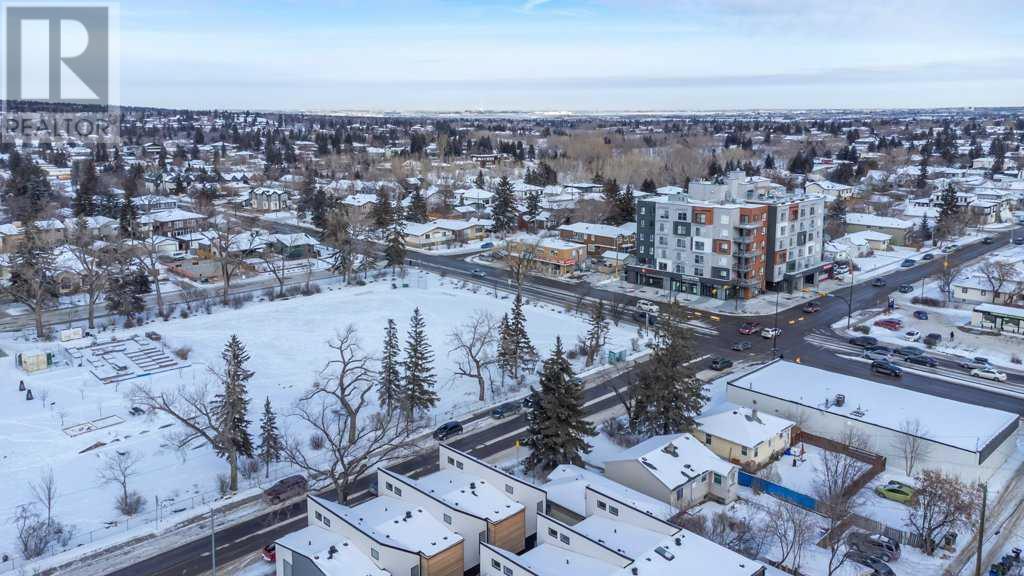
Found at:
<point>879,282</point>
<point>879,567</point>
<point>928,256</point>
<point>886,367</point>
<point>447,430</point>
<point>506,409</point>
<point>988,240</point>
<point>1019,241</point>
<point>933,339</point>
<point>905,289</point>
<point>721,363</point>
<point>864,341</point>
<point>880,348</point>
<point>922,361</point>
<point>908,263</point>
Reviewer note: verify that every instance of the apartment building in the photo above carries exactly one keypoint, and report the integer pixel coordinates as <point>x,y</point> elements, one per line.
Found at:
<point>729,240</point>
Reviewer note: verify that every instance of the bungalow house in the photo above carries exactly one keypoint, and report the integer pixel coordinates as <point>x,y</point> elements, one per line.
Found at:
<point>550,256</point>
<point>269,199</point>
<point>975,287</point>
<point>901,231</point>
<point>745,436</point>
<point>98,227</point>
<point>445,232</point>
<point>399,537</point>
<point>477,198</point>
<point>867,241</point>
<point>599,238</point>
<point>677,469</point>
<point>293,246</point>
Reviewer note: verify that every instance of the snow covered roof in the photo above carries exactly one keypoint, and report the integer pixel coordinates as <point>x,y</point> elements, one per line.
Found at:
<point>172,215</point>
<point>965,426</point>
<point>604,230</point>
<point>550,560</point>
<point>859,238</point>
<point>685,550</point>
<point>359,199</point>
<point>616,256</point>
<point>468,493</point>
<point>1005,311</point>
<point>674,459</point>
<point>567,486</point>
<point>299,239</point>
<point>861,219</point>
<point>396,523</point>
<point>626,539</point>
<point>828,185</point>
<point>476,194</point>
<point>315,543</point>
<point>743,426</point>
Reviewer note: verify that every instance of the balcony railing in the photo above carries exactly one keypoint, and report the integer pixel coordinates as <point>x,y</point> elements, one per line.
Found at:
<point>750,225</point>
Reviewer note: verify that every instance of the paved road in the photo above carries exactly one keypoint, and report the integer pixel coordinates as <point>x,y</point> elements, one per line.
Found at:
<point>807,336</point>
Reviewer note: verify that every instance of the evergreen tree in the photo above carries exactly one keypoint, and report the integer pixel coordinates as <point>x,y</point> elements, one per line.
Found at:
<point>127,216</point>
<point>231,406</point>
<point>125,288</point>
<point>769,162</point>
<point>835,219</point>
<point>648,186</point>
<point>612,197</point>
<point>503,210</point>
<point>319,208</point>
<point>925,229</point>
<point>271,445</point>
<point>394,251</point>
<point>507,357</point>
<point>627,205</point>
<point>417,207</point>
<point>479,180</point>
<point>597,333</point>
<point>524,351</point>
<point>532,204</point>
<point>557,426</point>
<point>389,389</point>
<point>668,395</point>
<point>88,186</point>
<point>306,195</point>
<point>418,393</point>
<point>382,215</point>
<point>922,176</point>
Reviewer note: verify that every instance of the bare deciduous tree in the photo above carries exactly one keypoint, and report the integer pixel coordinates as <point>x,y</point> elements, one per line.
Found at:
<point>522,258</point>
<point>912,444</point>
<point>93,263</point>
<point>117,469</point>
<point>941,503</point>
<point>45,493</point>
<point>350,379</point>
<point>837,473</point>
<point>145,253</point>
<point>474,344</point>
<point>946,277</point>
<point>998,273</point>
<point>793,530</point>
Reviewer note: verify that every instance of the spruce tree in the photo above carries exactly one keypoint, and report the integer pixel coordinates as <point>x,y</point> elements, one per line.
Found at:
<point>479,181</point>
<point>417,208</point>
<point>922,175</point>
<point>230,408</point>
<point>627,205</point>
<point>503,209</point>
<point>533,204</point>
<point>597,333</point>
<point>394,251</point>
<point>389,389</point>
<point>612,192</point>
<point>127,215</point>
<point>271,445</point>
<point>88,185</point>
<point>557,427</point>
<point>648,186</point>
<point>521,345</point>
<point>668,395</point>
<point>507,357</point>
<point>418,393</point>
<point>382,214</point>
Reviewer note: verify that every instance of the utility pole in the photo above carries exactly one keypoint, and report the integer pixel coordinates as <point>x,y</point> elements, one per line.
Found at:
<point>213,545</point>
<point>981,529</point>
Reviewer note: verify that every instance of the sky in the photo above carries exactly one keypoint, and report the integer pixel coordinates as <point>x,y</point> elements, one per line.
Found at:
<point>571,55</point>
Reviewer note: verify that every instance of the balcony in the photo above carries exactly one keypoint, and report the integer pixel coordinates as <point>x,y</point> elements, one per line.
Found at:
<point>749,282</point>
<point>746,252</point>
<point>749,225</point>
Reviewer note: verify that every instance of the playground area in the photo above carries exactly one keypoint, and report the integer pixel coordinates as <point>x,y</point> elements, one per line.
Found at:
<point>119,360</point>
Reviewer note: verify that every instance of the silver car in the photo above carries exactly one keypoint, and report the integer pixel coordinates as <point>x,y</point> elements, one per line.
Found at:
<point>875,355</point>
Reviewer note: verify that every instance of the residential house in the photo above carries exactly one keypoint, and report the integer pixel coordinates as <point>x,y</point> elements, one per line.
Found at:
<point>745,436</point>
<point>830,190</point>
<point>172,223</point>
<point>270,199</point>
<point>901,231</point>
<point>317,551</point>
<point>359,205</point>
<point>445,233</point>
<point>599,238</point>
<point>550,256</point>
<point>677,469</point>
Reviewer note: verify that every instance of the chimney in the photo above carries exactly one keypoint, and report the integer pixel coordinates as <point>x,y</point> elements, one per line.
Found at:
<point>331,552</point>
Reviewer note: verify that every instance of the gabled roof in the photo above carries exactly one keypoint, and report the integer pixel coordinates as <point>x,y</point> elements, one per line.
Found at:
<point>467,493</point>
<point>567,486</point>
<point>396,523</point>
<point>743,426</point>
<point>316,543</point>
<point>674,459</point>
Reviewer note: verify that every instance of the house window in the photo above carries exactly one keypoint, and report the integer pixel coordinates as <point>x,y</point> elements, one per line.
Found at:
<point>718,478</point>
<point>552,533</point>
<point>398,491</point>
<point>613,510</point>
<point>389,487</point>
<point>374,553</point>
<point>451,461</point>
<point>509,489</point>
<point>707,439</point>
<point>507,571</point>
<point>327,521</point>
<point>743,450</point>
<point>495,564</point>
<point>318,516</point>
<point>601,505</point>
<point>680,493</point>
<point>563,539</point>
<point>447,519</point>
<point>458,465</point>
<point>414,571</point>
<point>704,477</point>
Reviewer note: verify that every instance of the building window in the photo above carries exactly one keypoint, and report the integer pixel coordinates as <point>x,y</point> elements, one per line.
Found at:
<point>374,553</point>
<point>495,564</point>
<point>601,505</point>
<point>613,510</point>
<point>509,489</point>
<point>389,487</point>
<point>327,521</point>
<point>451,461</point>
<point>552,533</point>
<point>707,439</point>
<point>447,519</point>
<point>398,491</point>
<point>718,478</point>
<point>743,450</point>
<point>319,517</point>
<point>540,507</point>
<point>507,571</point>
<point>458,464</point>
<point>563,539</point>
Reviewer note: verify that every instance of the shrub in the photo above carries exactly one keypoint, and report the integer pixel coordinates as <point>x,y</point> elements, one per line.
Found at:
<point>223,484</point>
<point>617,431</point>
<point>927,301</point>
<point>316,442</point>
<point>1016,359</point>
<point>131,505</point>
<point>183,352</point>
<point>270,294</point>
<point>862,328</point>
<point>311,289</point>
<point>183,314</point>
<point>250,467</point>
<point>293,290</point>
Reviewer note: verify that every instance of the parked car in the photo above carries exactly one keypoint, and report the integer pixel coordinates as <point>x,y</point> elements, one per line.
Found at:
<point>887,368</point>
<point>908,351</point>
<point>286,488</point>
<point>878,545</point>
<point>912,336</point>
<point>896,492</point>
<point>928,256</point>
<point>864,341</point>
<point>893,324</point>
<point>478,273</point>
<point>750,327</point>
<point>905,289</point>
<point>932,339</point>
<point>976,362</point>
<point>742,346</point>
<point>771,332</point>
<point>647,306</point>
<point>877,565</point>
<point>920,314</point>
<point>812,307</point>
<point>487,245</point>
<point>989,373</point>
<point>529,399</point>
<point>922,360</point>
<point>506,409</point>
<point>876,355</point>
<point>879,282</point>
<point>269,553</point>
<point>447,430</point>
<point>908,263</point>
<point>720,363</point>
<point>988,240</point>
<point>881,348</point>
<point>1019,241</point>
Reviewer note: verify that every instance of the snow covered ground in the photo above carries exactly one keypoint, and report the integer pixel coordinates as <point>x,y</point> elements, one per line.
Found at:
<point>287,340</point>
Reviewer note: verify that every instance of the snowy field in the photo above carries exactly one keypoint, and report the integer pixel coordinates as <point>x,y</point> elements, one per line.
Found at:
<point>287,340</point>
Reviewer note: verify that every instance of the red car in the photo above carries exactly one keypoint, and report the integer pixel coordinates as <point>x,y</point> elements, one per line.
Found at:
<point>269,552</point>
<point>811,307</point>
<point>889,324</point>
<point>750,328</point>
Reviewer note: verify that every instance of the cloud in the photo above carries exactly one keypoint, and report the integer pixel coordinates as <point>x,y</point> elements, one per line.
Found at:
<point>529,5</point>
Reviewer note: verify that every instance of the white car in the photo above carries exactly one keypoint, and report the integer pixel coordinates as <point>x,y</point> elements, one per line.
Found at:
<point>647,306</point>
<point>912,336</point>
<point>771,332</point>
<point>989,374</point>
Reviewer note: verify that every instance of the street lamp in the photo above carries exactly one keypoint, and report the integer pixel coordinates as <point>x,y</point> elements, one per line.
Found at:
<point>775,331</point>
